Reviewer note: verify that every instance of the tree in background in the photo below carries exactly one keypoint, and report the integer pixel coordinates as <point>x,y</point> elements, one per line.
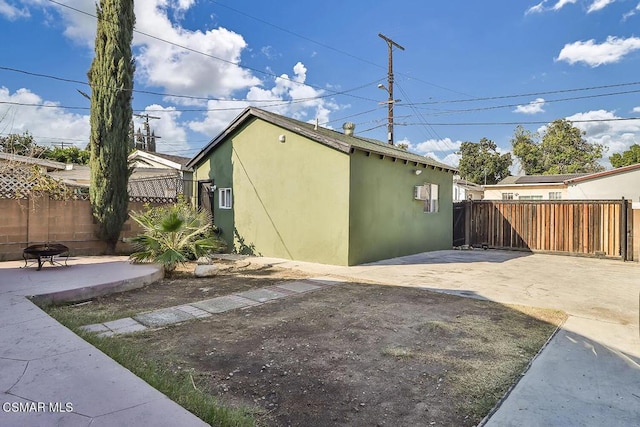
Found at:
<point>21,145</point>
<point>629,157</point>
<point>68,155</point>
<point>561,150</point>
<point>482,164</point>
<point>111,80</point>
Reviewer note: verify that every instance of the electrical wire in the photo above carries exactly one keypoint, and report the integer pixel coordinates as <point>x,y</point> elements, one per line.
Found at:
<point>237,64</point>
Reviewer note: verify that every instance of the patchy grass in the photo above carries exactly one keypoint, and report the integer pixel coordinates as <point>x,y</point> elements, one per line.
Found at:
<point>352,354</point>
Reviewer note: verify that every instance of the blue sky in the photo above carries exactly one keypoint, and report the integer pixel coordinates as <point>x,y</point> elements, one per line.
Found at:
<point>469,70</point>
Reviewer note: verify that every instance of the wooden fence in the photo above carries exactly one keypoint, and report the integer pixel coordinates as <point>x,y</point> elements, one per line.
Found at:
<point>597,228</point>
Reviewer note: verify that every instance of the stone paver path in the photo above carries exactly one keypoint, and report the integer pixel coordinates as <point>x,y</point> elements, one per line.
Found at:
<point>201,309</point>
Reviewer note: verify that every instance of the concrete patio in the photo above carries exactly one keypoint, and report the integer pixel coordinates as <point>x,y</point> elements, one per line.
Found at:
<point>52,377</point>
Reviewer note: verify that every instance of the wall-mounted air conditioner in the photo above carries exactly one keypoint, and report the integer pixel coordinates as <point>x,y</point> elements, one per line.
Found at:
<point>420,192</point>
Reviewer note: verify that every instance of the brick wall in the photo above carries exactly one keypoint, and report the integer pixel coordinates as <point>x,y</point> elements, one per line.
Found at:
<point>70,222</point>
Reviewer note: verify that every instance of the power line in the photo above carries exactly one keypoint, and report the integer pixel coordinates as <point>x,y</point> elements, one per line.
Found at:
<point>522,95</point>
<point>197,98</point>
<point>237,64</point>
<point>543,122</point>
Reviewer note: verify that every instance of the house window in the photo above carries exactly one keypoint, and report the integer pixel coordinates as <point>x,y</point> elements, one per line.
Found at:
<point>555,195</point>
<point>507,196</point>
<point>224,198</point>
<point>428,193</point>
<point>532,197</point>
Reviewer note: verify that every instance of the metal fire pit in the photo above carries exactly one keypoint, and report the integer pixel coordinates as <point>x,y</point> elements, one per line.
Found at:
<point>45,252</point>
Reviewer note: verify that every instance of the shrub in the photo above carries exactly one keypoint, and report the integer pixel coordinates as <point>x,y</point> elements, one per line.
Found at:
<point>173,234</point>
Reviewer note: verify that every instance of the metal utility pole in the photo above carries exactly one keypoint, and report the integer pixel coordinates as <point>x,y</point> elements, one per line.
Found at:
<point>391,101</point>
<point>149,140</point>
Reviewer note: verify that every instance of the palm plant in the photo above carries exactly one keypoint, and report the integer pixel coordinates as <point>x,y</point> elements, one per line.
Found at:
<point>172,235</point>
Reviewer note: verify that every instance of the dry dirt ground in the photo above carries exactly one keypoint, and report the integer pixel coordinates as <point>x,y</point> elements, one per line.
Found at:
<point>350,355</point>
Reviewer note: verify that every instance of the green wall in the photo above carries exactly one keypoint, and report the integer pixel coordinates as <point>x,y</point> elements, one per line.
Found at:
<point>385,220</point>
<point>293,197</point>
<point>218,168</point>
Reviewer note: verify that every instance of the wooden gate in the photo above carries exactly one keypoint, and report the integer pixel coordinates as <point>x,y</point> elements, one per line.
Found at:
<point>459,210</point>
<point>595,227</point>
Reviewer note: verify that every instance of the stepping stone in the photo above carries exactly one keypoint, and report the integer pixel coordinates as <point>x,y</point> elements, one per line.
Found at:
<point>222,304</point>
<point>98,327</point>
<point>164,317</point>
<point>124,326</point>
<point>262,295</point>
<point>195,312</point>
<point>326,280</point>
<point>298,287</point>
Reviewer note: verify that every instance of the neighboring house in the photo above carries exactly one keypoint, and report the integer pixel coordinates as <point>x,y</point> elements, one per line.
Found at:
<point>466,190</point>
<point>608,185</point>
<point>154,174</point>
<point>284,188</point>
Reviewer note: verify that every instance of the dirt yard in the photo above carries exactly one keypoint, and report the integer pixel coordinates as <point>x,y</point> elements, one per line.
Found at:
<point>349,355</point>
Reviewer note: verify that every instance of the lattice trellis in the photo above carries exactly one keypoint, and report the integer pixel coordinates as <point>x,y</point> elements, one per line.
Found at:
<point>15,183</point>
<point>166,186</point>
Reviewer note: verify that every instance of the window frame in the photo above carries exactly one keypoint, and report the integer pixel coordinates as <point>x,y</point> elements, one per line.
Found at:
<point>225,198</point>
<point>555,195</point>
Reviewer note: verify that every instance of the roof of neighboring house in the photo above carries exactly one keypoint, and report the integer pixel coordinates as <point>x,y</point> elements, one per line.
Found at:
<point>48,164</point>
<point>468,184</point>
<point>153,159</point>
<point>596,175</point>
<point>539,179</point>
<point>328,137</point>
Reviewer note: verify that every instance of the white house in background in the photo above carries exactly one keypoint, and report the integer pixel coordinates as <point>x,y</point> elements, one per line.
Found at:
<point>608,185</point>
<point>611,184</point>
<point>466,190</point>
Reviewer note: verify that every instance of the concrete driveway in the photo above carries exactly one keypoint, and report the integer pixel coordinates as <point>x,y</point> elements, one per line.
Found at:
<point>589,373</point>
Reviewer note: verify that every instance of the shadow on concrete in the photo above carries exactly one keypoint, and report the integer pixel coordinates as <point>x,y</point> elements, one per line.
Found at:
<point>455,256</point>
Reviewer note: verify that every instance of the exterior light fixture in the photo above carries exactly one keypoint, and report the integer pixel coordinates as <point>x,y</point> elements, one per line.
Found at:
<point>417,171</point>
<point>282,138</point>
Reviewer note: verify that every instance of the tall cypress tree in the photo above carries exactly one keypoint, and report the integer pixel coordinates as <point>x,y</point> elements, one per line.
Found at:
<point>111,80</point>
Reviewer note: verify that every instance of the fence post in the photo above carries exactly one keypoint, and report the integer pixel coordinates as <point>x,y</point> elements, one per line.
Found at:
<point>623,229</point>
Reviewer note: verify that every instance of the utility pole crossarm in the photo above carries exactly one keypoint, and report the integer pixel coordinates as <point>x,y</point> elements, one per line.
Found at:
<point>390,44</point>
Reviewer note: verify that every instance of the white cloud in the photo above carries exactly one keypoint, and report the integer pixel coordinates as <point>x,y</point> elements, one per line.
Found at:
<point>594,55</point>
<point>41,120</point>
<point>173,135</point>
<point>207,67</point>
<point>450,159</point>
<point>599,5</point>
<point>538,8</point>
<point>11,12</point>
<point>616,136</point>
<point>632,12</point>
<point>636,110</point>
<point>306,105</point>
<point>563,3</point>
<point>533,107</point>
<point>431,145</point>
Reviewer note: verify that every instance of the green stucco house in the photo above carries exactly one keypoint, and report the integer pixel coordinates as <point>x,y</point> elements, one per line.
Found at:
<point>283,188</point>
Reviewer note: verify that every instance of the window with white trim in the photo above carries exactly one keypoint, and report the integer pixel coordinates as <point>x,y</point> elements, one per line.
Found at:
<point>224,198</point>
<point>429,194</point>
<point>555,195</point>
<point>507,196</point>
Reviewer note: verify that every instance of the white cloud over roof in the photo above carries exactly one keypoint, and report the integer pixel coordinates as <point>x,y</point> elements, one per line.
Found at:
<point>593,54</point>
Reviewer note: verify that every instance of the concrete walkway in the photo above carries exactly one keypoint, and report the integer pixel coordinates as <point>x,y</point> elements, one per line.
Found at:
<point>589,374</point>
<point>51,377</point>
